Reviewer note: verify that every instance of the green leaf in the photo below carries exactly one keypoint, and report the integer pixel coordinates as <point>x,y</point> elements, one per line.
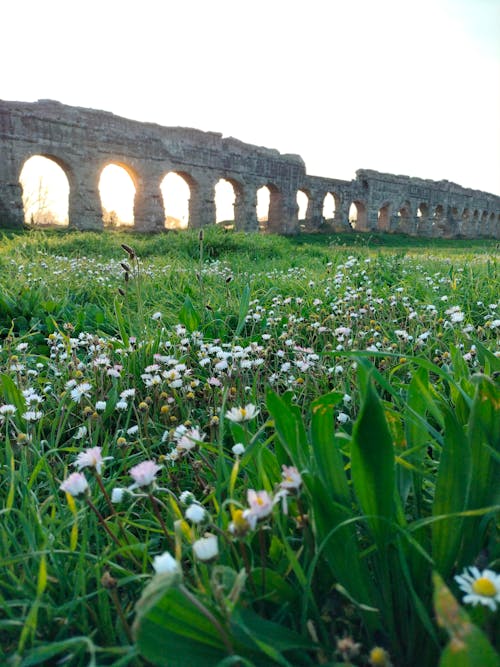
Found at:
<point>329,460</point>
<point>451,492</point>
<point>243,310</point>
<point>11,393</point>
<point>468,646</point>
<point>372,465</point>
<point>484,443</point>
<point>289,426</point>
<point>189,316</point>
<point>171,630</point>
<point>120,321</point>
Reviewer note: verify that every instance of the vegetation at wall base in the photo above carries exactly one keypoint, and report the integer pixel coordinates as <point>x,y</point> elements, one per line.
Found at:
<point>220,449</point>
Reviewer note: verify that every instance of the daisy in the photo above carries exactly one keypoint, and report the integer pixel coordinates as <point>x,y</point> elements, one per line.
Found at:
<point>143,474</point>
<point>80,391</point>
<point>206,548</point>
<point>242,414</point>
<point>291,478</point>
<point>91,458</point>
<point>75,484</point>
<point>165,564</point>
<point>480,587</point>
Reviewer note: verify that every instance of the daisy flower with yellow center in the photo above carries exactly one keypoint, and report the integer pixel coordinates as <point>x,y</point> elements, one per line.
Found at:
<point>480,587</point>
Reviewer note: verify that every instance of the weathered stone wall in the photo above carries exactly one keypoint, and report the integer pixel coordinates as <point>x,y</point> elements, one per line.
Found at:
<point>83,141</point>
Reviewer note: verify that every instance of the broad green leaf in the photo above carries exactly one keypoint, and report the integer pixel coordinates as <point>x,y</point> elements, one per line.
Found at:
<point>484,443</point>
<point>11,393</point>
<point>243,309</point>
<point>450,496</point>
<point>468,646</point>
<point>289,426</point>
<point>189,316</point>
<point>120,321</point>
<point>372,465</point>
<point>171,630</point>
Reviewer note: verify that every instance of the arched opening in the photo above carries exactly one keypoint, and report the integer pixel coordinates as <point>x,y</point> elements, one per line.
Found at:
<point>357,215</point>
<point>117,191</point>
<point>404,212</point>
<point>330,206</point>
<point>303,204</point>
<point>263,204</point>
<point>454,212</point>
<point>475,217</point>
<point>384,217</point>
<point>465,215</point>
<point>45,192</point>
<point>484,217</point>
<point>438,212</point>
<point>225,197</point>
<point>176,194</point>
<point>422,211</point>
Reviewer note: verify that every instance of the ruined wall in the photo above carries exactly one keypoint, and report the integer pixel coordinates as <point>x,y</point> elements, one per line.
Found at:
<point>83,141</point>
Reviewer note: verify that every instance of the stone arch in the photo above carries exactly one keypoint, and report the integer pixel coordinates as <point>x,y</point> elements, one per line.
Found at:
<point>269,206</point>
<point>465,215</point>
<point>358,215</point>
<point>176,187</point>
<point>225,201</point>
<point>304,200</point>
<point>118,186</point>
<point>384,217</point>
<point>438,212</point>
<point>331,205</point>
<point>46,182</point>
<point>423,211</point>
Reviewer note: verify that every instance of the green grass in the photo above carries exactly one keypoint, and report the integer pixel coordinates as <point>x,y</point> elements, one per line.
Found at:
<point>373,364</point>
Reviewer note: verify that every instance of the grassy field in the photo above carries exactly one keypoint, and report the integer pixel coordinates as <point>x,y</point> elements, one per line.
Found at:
<point>222,449</point>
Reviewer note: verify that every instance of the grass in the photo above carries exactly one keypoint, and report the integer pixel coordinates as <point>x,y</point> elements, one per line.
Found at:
<point>366,365</point>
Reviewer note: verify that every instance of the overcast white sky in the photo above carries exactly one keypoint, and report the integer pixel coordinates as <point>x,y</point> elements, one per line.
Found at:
<point>408,87</point>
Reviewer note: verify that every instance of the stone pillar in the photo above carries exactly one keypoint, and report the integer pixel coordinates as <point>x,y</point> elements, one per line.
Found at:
<point>11,193</point>
<point>245,209</point>
<point>314,215</point>
<point>289,214</point>
<point>85,208</point>
<point>202,202</point>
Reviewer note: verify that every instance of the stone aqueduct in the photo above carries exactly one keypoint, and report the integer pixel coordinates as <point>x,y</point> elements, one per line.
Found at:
<point>84,141</point>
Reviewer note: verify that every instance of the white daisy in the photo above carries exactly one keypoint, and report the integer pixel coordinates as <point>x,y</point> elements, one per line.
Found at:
<point>480,587</point>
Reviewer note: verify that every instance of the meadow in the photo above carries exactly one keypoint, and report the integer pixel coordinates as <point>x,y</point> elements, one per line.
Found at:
<point>223,450</point>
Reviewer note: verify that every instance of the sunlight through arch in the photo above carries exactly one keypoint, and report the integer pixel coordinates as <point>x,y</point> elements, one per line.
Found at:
<point>303,203</point>
<point>225,197</point>
<point>329,206</point>
<point>263,203</point>
<point>176,194</point>
<point>45,192</point>
<point>117,191</point>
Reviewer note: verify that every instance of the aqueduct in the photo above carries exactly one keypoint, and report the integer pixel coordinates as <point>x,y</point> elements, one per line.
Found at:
<point>84,141</point>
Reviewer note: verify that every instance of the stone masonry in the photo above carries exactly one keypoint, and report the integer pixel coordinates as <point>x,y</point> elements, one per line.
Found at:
<point>83,141</point>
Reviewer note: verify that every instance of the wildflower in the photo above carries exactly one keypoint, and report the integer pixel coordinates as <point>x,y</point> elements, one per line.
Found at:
<point>379,657</point>
<point>122,405</point>
<point>342,418</point>
<point>80,433</point>
<point>242,414</point>
<point>238,449</point>
<point>156,316</point>
<point>189,439</point>
<point>195,513</point>
<point>8,409</point>
<point>480,587</point>
<point>75,484</point>
<point>187,498</point>
<point>32,415</point>
<point>80,391</point>
<point>240,526</point>
<point>291,478</point>
<point>261,505</point>
<point>117,495</point>
<point>348,648</point>
<point>143,474</point>
<point>91,458</point>
<point>165,564</point>
<point>206,548</point>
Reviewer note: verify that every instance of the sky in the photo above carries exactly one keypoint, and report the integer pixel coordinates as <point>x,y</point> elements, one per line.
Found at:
<point>400,86</point>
